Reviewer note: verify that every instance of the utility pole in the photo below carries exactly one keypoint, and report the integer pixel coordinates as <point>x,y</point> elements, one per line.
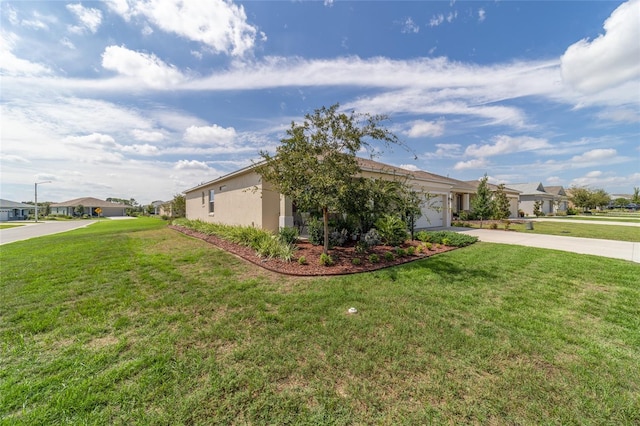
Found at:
<point>36,195</point>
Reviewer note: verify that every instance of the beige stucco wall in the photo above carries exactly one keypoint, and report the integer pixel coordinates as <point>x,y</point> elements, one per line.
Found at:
<point>238,200</point>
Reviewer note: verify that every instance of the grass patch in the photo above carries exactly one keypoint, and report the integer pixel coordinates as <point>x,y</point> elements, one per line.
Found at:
<point>590,230</point>
<point>7,226</point>
<point>130,322</point>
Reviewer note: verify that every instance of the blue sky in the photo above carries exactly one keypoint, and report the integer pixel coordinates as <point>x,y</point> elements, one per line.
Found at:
<point>144,99</point>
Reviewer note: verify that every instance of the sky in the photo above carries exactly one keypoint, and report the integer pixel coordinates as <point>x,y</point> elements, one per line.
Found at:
<point>144,99</point>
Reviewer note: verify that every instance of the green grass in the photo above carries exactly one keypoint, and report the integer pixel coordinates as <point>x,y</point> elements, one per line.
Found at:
<point>128,322</point>
<point>629,218</point>
<point>7,226</point>
<point>589,230</point>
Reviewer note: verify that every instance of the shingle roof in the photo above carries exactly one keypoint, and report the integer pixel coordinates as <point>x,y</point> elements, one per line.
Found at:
<point>7,204</point>
<point>88,202</point>
<point>529,188</point>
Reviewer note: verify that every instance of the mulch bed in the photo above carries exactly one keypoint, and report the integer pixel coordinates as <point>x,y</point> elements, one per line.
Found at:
<point>342,256</point>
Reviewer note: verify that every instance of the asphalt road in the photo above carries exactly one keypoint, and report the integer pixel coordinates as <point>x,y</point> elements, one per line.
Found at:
<point>33,230</point>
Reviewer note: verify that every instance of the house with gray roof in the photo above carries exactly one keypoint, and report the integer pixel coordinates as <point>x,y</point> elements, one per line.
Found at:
<point>13,210</point>
<point>554,200</point>
<point>90,207</point>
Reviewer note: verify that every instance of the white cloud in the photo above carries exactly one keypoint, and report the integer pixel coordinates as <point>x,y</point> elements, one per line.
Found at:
<point>611,59</point>
<point>444,150</point>
<point>436,20</point>
<point>191,165</point>
<point>214,135</point>
<point>93,139</point>
<point>408,26</point>
<point>479,163</point>
<point>452,16</point>
<point>482,15</point>
<point>506,145</point>
<point>219,24</point>
<point>67,43</point>
<point>147,68</point>
<point>11,64</point>
<point>411,167</point>
<point>145,149</point>
<point>595,155</point>
<point>90,19</point>
<point>421,128</point>
<point>147,136</point>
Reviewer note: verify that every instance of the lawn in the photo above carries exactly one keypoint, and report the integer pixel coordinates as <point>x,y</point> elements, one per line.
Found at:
<point>583,230</point>
<point>7,226</point>
<point>129,322</point>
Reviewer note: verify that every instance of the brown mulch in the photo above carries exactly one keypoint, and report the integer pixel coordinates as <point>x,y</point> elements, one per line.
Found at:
<point>342,256</point>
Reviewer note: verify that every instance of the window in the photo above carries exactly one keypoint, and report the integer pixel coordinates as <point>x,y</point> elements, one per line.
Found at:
<point>211,196</point>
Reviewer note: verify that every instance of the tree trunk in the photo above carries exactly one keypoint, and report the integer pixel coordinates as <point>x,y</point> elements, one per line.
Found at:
<point>325,220</point>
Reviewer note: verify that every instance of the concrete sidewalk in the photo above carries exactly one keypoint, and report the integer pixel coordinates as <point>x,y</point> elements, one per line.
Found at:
<point>32,230</point>
<point>606,248</point>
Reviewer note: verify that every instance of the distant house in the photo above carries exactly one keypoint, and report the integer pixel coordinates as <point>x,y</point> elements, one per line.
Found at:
<point>13,210</point>
<point>513,195</point>
<point>90,206</point>
<point>553,199</point>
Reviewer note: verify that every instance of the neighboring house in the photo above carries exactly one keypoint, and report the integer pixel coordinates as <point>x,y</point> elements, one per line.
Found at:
<point>513,195</point>
<point>12,210</point>
<point>552,202</point>
<point>242,198</point>
<point>162,208</point>
<point>107,208</point>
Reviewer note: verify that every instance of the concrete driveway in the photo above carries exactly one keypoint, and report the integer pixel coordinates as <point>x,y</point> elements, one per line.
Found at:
<point>33,230</point>
<point>606,248</point>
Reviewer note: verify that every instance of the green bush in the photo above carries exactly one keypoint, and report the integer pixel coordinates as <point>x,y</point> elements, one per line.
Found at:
<point>400,252</point>
<point>302,260</point>
<point>288,235</point>
<point>372,238</point>
<point>361,247</point>
<point>411,251</point>
<point>316,231</point>
<point>338,238</point>
<point>455,239</point>
<point>392,229</point>
<point>388,256</point>
<point>493,225</point>
<point>423,236</point>
<point>326,260</point>
<point>356,261</point>
<point>374,258</point>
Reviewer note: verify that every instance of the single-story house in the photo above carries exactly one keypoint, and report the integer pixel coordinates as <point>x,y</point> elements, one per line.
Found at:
<point>13,210</point>
<point>553,199</point>
<point>89,204</point>
<point>513,195</point>
<point>162,208</point>
<point>242,198</point>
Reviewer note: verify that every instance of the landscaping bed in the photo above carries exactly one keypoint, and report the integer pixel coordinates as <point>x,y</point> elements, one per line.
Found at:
<point>342,256</point>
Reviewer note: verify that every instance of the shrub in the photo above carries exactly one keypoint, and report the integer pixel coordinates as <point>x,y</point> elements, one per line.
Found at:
<point>338,238</point>
<point>455,239</point>
<point>493,226</point>
<point>411,251</point>
<point>507,223</point>
<point>423,236</point>
<point>374,258</point>
<point>417,250</point>
<point>392,229</point>
<point>361,247</point>
<point>302,260</point>
<point>372,238</point>
<point>356,261</point>
<point>446,242</point>
<point>428,246</point>
<point>326,260</point>
<point>400,252</point>
<point>316,231</point>
<point>288,235</point>
<point>388,256</point>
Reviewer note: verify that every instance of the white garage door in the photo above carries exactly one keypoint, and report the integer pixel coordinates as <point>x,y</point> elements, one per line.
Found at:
<point>432,213</point>
<point>4,214</point>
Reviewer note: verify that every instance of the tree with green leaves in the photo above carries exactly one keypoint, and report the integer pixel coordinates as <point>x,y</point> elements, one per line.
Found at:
<point>537,208</point>
<point>636,195</point>
<point>481,204</point>
<point>178,206</point>
<point>580,197</point>
<point>316,162</point>
<point>501,206</point>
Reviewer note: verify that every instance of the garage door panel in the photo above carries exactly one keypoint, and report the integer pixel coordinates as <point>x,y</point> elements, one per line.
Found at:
<point>431,214</point>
